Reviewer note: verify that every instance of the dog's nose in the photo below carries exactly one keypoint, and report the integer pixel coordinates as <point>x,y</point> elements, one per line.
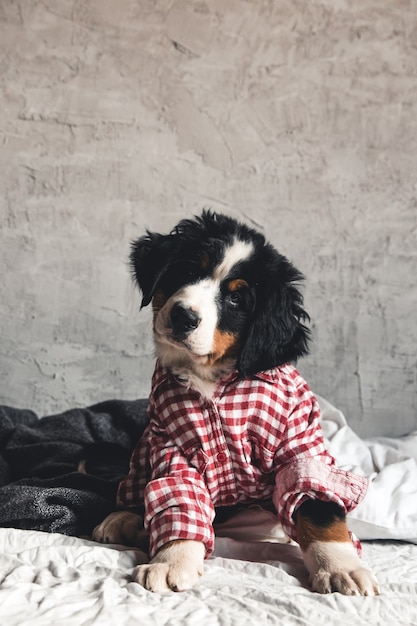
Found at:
<point>183,320</point>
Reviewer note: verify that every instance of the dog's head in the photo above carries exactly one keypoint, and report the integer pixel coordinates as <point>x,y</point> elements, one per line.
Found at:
<point>220,293</point>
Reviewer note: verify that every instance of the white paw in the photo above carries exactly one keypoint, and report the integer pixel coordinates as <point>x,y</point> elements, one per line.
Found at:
<point>122,527</point>
<point>176,567</point>
<point>335,566</point>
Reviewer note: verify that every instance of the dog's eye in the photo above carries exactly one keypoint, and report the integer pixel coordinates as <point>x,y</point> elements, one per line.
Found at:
<point>236,292</point>
<point>234,298</point>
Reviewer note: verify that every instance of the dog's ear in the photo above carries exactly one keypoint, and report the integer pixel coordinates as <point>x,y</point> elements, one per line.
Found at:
<point>149,260</point>
<point>277,333</point>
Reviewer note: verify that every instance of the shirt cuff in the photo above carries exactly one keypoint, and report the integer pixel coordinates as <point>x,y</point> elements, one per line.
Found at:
<point>174,524</point>
<point>317,480</point>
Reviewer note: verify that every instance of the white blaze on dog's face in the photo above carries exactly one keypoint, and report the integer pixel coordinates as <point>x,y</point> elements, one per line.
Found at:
<point>197,318</point>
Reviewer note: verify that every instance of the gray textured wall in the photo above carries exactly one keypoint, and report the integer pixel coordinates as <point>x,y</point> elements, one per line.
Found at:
<point>299,117</point>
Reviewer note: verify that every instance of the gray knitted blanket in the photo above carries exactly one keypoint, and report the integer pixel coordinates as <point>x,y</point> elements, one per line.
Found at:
<point>40,485</point>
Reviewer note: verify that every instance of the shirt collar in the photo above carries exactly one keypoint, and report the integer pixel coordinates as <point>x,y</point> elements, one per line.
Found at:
<point>162,374</point>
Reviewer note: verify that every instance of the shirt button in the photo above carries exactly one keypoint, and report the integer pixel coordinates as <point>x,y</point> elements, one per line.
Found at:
<point>221,457</point>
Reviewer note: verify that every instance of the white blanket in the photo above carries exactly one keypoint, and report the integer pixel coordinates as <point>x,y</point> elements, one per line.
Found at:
<point>254,577</point>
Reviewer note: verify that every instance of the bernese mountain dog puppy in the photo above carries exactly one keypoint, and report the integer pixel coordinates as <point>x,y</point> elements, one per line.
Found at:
<point>231,419</point>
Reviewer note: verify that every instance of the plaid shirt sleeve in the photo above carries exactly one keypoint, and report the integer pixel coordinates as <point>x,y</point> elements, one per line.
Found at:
<point>304,468</point>
<point>170,486</point>
<point>177,502</point>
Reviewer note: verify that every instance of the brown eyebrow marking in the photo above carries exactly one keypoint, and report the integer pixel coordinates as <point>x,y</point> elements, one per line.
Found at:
<point>238,283</point>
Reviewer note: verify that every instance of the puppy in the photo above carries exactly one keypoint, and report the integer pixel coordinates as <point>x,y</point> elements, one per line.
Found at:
<point>231,419</point>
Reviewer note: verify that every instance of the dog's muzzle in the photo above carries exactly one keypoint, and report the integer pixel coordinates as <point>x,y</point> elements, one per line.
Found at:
<point>183,321</point>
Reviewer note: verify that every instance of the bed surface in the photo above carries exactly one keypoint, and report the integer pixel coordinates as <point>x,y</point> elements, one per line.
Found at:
<point>51,577</point>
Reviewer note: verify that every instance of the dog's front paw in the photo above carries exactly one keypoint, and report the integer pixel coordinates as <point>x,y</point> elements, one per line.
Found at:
<point>122,527</point>
<point>335,566</point>
<point>357,582</point>
<point>176,567</point>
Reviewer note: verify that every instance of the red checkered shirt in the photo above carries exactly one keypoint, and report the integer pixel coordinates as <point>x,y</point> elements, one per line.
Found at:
<point>254,439</point>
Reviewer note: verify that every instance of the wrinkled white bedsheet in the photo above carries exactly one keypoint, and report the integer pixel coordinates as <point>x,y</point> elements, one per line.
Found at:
<point>49,579</point>
<point>254,577</point>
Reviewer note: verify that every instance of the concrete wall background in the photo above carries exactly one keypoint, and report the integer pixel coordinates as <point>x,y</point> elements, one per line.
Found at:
<point>300,117</point>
